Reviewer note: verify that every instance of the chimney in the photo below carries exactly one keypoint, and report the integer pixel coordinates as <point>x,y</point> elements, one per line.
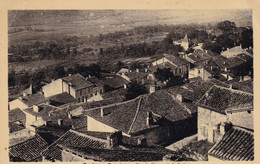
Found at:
<point>211,68</point>
<point>130,70</point>
<point>179,97</point>
<point>69,115</point>
<point>60,122</point>
<point>226,69</point>
<point>230,86</point>
<point>102,112</point>
<point>24,94</point>
<point>137,70</point>
<point>36,108</point>
<point>143,81</point>
<point>149,119</point>
<point>145,69</point>
<point>240,45</point>
<point>114,140</point>
<point>50,113</point>
<point>141,141</point>
<point>31,89</point>
<point>89,76</point>
<point>206,51</point>
<point>69,74</point>
<point>206,94</point>
<point>20,98</point>
<point>125,86</point>
<point>224,62</point>
<point>152,89</point>
<point>241,78</point>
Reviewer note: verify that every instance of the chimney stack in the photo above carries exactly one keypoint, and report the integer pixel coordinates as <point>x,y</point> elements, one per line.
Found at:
<point>152,89</point>
<point>36,108</point>
<point>145,69</point>
<point>149,119</point>
<point>69,74</point>
<point>60,122</point>
<point>102,112</point>
<point>179,97</point>
<point>137,70</point>
<point>114,139</point>
<point>69,115</point>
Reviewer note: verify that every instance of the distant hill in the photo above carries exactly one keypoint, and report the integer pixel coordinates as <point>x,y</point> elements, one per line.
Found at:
<point>46,24</point>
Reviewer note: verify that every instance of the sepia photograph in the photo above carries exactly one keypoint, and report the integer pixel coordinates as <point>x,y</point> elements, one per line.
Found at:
<point>116,85</point>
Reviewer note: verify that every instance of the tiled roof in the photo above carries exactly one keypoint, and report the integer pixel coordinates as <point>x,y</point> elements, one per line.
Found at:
<point>234,51</point>
<point>28,150</point>
<point>77,81</point>
<point>13,127</point>
<point>16,115</point>
<point>246,86</point>
<point>236,145</point>
<point>34,99</point>
<point>220,99</point>
<point>118,155</point>
<point>94,80</point>
<point>136,75</point>
<point>79,122</point>
<point>62,98</point>
<point>199,55</point>
<point>176,60</point>
<point>115,81</point>
<point>74,139</point>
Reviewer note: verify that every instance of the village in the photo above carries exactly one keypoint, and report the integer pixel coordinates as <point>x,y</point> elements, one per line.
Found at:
<point>193,102</point>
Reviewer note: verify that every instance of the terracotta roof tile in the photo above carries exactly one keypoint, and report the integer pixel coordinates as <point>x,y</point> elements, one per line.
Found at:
<point>220,99</point>
<point>77,81</point>
<point>30,149</point>
<point>236,145</point>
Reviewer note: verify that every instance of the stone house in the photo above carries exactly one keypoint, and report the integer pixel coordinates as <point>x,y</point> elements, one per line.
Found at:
<point>220,109</point>
<point>75,85</point>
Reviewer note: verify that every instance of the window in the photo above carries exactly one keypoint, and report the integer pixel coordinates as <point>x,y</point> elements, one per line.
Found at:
<point>80,92</point>
<point>79,100</point>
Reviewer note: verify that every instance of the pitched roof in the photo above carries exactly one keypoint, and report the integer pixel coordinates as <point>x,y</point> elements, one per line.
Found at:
<point>14,127</point>
<point>118,155</point>
<point>62,98</point>
<point>199,55</point>
<point>246,86</point>
<point>28,150</point>
<point>236,145</point>
<point>16,115</point>
<point>94,80</point>
<point>74,139</point>
<point>34,99</point>
<point>221,99</point>
<point>136,75</point>
<point>176,60</point>
<point>77,81</point>
<point>234,51</point>
<point>115,81</point>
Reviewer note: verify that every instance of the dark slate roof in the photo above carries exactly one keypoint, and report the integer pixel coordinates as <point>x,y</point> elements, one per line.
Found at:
<point>115,81</point>
<point>221,99</point>
<point>34,99</point>
<point>176,60</point>
<point>28,150</point>
<point>94,80</point>
<point>236,145</point>
<point>74,139</point>
<point>62,98</point>
<point>77,81</point>
<point>16,115</point>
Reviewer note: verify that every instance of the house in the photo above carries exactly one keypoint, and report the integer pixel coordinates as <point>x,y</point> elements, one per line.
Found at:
<point>28,101</point>
<point>236,145</point>
<point>123,71</point>
<point>16,120</point>
<point>75,146</point>
<point>26,146</point>
<point>183,42</point>
<point>233,52</point>
<point>199,58</point>
<point>61,99</point>
<point>113,82</point>
<point>75,85</point>
<point>178,65</point>
<point>220,109</point>
<point>203,73</point>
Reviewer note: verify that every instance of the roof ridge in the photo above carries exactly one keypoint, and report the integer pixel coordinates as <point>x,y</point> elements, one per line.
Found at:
<point>137,111</point>
<point>234,90</point>
<point>188,110</point>
<point>111,105</point>
<point>88,136</point>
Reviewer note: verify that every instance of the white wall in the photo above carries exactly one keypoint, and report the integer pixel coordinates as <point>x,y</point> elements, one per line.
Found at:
<point>53,88</point>
<point>17,104</point>
<point>243,119</point>
<point>209,120</point>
